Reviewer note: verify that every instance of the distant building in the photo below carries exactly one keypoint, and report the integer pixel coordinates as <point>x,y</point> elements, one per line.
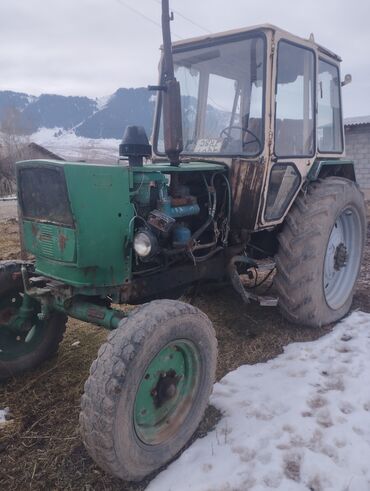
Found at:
<point>35,151</point>
<point>30,151</point>
<point>357,131</point>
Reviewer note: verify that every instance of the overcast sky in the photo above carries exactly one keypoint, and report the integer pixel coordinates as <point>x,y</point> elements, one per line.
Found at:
<point>92,47</point>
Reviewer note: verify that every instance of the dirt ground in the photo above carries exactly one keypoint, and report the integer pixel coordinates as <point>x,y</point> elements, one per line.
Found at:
<point>41,447</point>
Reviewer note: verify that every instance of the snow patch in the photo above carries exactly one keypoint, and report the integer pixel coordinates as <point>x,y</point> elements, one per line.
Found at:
<point>3,416</point>
<point>298,422</point>
<point>31,99</point>
<point>69,146</point>
<point>102,102</point>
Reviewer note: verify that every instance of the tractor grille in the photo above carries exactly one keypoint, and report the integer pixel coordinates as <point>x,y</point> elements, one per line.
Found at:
<point>46,240</point>
<point>43,195</point>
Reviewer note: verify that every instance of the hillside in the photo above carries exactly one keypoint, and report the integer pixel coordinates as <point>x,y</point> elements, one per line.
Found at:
<point>89,118</point>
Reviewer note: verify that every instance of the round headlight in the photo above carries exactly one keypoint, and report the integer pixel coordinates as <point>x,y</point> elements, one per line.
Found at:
<point>142,244</point>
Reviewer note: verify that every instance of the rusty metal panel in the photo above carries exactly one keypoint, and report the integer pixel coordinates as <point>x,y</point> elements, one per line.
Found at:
<point>246,179</point>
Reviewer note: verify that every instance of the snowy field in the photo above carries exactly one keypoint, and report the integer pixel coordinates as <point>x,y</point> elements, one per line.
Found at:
<point>71,147</point>
<point>300,422</point>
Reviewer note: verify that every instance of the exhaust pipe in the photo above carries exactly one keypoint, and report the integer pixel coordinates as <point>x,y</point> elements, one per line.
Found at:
<point>171,97</point>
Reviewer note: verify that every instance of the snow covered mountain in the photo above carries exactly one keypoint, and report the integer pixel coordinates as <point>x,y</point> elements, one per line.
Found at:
<point>90,118</point>
<point>123,108</point>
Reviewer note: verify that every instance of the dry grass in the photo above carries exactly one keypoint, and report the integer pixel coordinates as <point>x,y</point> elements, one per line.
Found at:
<point>41,448</point>
<point>10,247</point>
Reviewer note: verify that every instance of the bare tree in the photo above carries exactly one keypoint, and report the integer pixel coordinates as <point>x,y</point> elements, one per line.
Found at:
<point>13,144</point>
<point>13,133</point>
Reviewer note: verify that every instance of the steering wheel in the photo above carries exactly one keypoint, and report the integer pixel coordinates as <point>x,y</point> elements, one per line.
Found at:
<point>226,131</point>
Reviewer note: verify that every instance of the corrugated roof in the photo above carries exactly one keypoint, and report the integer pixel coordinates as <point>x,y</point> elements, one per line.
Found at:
<point>357,121</point>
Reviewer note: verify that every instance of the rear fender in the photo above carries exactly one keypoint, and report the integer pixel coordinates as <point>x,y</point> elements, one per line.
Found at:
<point>325,168</point>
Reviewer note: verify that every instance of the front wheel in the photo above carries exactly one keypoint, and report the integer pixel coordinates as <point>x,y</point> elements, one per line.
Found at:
<point>25,341</point>
<point>148,388</point>
<point>320,252</point>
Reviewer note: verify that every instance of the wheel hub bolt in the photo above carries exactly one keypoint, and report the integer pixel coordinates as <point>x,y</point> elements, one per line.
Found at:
<point>340,257</point>
<point>171,390</point>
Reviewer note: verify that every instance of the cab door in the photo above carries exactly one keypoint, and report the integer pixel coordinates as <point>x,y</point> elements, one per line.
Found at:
<point>293,145</point>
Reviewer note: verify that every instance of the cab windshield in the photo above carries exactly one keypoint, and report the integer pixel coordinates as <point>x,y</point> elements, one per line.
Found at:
<point>222,94</point>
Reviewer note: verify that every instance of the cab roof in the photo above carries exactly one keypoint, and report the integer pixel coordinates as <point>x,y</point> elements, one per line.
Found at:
<point>262,27</point>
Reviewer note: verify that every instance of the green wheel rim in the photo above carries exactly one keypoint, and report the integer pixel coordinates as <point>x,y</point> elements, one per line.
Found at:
<point>164,396</point>
<point>17,339</point>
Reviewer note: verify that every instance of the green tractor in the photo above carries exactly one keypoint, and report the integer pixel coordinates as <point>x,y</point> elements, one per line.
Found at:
<point>246,170</point>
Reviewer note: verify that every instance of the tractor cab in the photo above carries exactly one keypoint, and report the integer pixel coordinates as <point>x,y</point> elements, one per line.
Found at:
<point>266,103</point>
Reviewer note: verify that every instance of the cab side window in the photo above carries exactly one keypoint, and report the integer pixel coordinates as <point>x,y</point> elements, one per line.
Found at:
<point>329,119</point>
<point>295,101</point>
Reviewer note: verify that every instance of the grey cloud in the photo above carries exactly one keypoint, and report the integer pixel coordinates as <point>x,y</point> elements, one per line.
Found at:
<point>92,47</point>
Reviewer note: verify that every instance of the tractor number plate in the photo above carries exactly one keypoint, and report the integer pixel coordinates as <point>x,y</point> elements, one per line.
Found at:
<point>208,145</point>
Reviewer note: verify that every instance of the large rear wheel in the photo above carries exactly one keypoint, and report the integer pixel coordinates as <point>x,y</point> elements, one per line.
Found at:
<point>148,388</point>
<point>320,252</point>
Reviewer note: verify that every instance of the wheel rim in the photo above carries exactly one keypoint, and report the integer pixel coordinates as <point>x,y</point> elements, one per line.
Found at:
<point>16,339</point>
<point>342,258</point>
<point>164,396</point>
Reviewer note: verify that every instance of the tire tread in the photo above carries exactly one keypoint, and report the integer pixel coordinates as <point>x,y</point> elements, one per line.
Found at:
<point>104,383</point>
